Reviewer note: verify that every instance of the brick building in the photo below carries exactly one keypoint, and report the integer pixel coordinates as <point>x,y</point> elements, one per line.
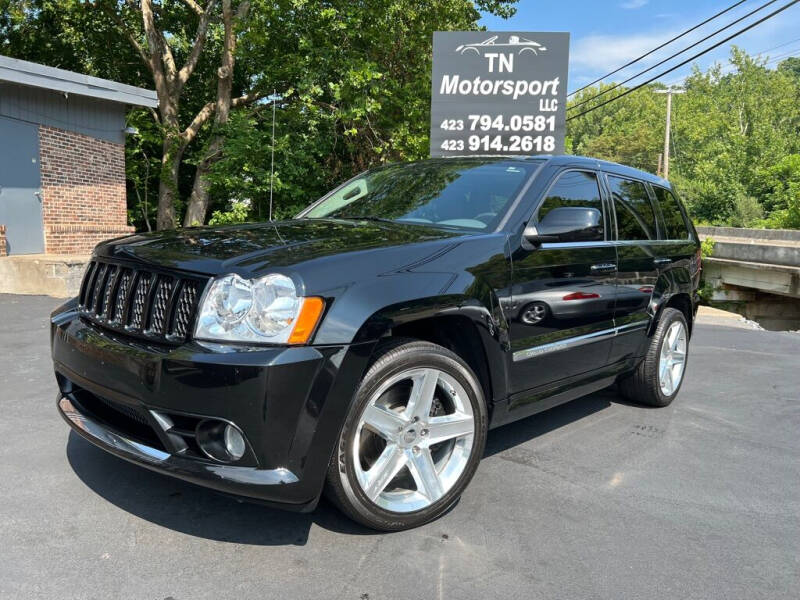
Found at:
<point>62,159</point>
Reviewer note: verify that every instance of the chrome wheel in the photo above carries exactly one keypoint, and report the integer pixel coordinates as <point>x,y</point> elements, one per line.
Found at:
<point>413,440</point>
<point>534,313</point>
<point>673,358</point>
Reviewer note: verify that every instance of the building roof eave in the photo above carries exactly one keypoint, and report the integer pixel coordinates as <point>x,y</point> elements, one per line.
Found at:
<point>23,72</point>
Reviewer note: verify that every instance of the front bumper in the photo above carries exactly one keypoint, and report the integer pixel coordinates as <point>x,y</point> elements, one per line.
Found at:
<point>227,478</point>
<point>289,403</point>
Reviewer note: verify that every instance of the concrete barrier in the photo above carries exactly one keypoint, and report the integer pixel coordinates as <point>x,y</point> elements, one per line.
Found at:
<point>42,274</point>
<point>765,246</point>
<point>788,235</point>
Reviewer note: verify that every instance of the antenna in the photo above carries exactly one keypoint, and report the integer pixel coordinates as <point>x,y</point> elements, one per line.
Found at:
<point>272,161</point>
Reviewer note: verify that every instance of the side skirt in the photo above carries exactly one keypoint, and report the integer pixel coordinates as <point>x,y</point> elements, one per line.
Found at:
<point>530,402</point>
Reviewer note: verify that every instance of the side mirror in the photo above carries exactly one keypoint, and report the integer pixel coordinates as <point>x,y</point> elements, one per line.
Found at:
<point>532,236</point>
<point>567,224</point>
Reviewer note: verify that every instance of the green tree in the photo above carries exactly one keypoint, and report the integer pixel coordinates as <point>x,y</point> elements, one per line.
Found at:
<point>732,125</point>
<point>357,94</point>
<point>353,80</point>
<point>780,185</point>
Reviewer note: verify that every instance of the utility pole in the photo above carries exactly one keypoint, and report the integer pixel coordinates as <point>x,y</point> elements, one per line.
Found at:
<point>668,92</point>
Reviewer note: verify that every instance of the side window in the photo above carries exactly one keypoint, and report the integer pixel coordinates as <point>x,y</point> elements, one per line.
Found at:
<point>635,217</point>
<point>674,224</point>
<point>573,209</point>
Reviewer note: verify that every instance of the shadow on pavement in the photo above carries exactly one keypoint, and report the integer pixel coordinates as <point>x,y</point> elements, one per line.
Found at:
<point>522,431</point>
<point>204,513</point>
<point>195,510</point>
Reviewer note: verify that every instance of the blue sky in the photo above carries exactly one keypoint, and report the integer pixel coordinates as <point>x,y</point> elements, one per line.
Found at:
<point>606,34</point>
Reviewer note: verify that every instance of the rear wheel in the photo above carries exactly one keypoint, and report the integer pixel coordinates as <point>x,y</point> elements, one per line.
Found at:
<point>534,313</point>
<point>412,440</point>
<point>658,378</point>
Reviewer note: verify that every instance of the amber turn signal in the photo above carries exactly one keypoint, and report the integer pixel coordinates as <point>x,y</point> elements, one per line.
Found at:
<point>307,320</point>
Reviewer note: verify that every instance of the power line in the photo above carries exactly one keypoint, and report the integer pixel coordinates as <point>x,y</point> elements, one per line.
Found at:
<point>729,68</point>
<point>667,43</point>
<point>669,58</point>
<point>778,46</point>
<point>688,60</point>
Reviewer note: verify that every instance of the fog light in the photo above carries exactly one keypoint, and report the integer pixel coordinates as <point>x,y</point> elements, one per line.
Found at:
<point>220,440</point>
<point>234,442</point>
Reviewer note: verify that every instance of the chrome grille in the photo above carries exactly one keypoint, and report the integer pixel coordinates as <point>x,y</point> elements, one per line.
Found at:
<point>140,302</point>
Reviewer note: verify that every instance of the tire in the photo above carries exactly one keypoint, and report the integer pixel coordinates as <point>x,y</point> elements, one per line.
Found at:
<point>644,384</point>
<point>534,313</point>
<point>391,472</point>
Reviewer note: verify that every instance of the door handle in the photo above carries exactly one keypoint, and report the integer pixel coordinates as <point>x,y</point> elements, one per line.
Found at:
<point>604,267</point>
<point>662,261</point>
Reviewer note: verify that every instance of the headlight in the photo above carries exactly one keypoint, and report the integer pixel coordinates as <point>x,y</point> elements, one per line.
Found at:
<point>266,310</point>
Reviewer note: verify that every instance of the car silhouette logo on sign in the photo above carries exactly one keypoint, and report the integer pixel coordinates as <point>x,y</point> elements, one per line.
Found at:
<point>514,41</point>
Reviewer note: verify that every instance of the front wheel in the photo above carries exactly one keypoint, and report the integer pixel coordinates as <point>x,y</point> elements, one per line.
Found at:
<point>412,439</point>
<point>658,378</point>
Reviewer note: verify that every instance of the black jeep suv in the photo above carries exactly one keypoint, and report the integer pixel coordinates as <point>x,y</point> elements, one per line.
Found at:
<point>366,346</point>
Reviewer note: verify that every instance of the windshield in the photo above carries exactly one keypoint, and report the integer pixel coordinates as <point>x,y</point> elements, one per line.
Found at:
<point>464,193</point>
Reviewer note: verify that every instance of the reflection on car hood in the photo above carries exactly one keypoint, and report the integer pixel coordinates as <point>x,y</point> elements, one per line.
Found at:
<point>253,247</point>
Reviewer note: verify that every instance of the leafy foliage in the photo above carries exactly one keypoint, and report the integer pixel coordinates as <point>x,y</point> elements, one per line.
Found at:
<point>780,185</point>
<point>707,247</point>
<point>238,213</point>
<point>734,140</point>
<point>353,91</point>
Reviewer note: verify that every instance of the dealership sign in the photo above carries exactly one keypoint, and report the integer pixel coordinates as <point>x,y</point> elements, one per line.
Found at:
<point>498,93</point>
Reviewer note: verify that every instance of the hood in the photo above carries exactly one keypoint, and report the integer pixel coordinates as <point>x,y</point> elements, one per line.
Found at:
<point>253,248</point>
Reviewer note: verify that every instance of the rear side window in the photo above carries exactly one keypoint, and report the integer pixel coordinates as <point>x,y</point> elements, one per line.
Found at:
<point>674,224</point>
<point>635,217</point>
<point>575,190</point>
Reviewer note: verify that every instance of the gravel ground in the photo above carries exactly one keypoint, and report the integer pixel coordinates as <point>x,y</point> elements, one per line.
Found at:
<point>593,499</point>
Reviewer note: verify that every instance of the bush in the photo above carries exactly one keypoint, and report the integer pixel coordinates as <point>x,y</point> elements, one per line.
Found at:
<point>747,211</point>
<point>238,213</point>
<point>781,188</point>
<point>707,247</point>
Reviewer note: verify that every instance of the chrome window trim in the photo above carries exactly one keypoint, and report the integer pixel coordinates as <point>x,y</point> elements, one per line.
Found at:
<point>555,245</point>
<point>610,243</point>
<point>574,342</point>
<point>649,242</point>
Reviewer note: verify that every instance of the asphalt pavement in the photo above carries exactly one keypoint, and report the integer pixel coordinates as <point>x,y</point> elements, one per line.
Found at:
<point>594,499</point>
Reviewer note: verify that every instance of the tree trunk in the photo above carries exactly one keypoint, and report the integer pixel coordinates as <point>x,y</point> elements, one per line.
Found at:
<point>169,83</point>
<point>198,202</point>
<point>171,155</point>
<point>197,207</point>
<point>167,189</point>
